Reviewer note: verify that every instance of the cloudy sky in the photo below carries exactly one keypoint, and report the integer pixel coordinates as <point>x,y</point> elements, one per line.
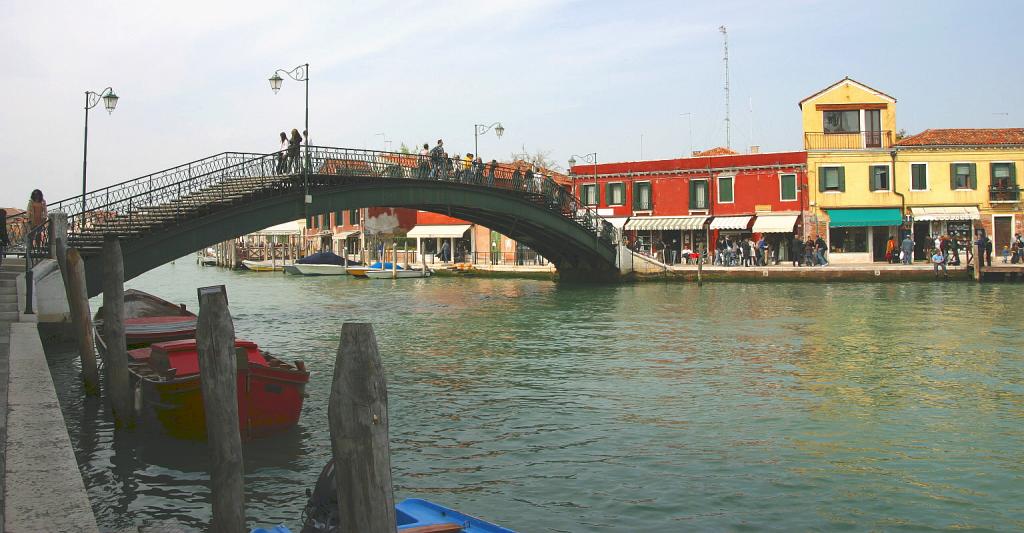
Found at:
<point>563,76</point>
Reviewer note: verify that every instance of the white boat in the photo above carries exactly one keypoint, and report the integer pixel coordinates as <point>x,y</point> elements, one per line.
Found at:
<point>266,266</point>
<point>206,260</point>
<point>390,274</point>
<point>317,269</point>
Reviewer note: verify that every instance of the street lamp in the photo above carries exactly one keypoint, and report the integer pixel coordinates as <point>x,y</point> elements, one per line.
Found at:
<point>589,158</point>
<point>481,129</point>
<point>299,73</point>
<point>387,142</point>
<point>92,99</point>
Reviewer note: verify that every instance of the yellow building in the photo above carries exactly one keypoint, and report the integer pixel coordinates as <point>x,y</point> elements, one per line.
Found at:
<point>866,186</point>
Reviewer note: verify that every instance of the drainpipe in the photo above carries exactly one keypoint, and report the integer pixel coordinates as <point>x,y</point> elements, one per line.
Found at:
<point>903,199</point>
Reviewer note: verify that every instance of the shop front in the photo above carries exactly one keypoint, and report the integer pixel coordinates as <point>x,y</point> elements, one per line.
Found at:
<point>678,236</point>
<point>930,222</point>
<point>732,228</point>
<point>442,242</point>
<point>778,231</point>
<point>860,235</point>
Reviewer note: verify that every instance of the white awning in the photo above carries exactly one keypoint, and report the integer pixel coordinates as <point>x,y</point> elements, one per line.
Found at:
<point>439,232</point>
<point>730,222</point>
<point>945,213</point>
<point>774,223</point>
<point>617,222</point>
<point>665,223</point>
<point>342,235</point>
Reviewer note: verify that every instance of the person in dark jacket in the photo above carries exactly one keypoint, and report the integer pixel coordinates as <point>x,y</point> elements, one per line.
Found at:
<point>907,250</point>
<point>820,250</point>
<point>796,249</point>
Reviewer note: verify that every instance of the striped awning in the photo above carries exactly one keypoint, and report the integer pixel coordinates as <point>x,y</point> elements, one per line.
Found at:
<point>665,223</point>
<point>774,223</point>
<point>945,213</point>
<point>730,222</point>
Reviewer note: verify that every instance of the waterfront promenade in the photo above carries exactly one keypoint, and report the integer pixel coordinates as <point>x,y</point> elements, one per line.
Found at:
<point>42,487</point>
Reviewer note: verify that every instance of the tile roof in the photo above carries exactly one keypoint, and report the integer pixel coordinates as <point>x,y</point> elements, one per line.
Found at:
<point>840,82</point>
<point>965,137</point>
<point>718,150</point>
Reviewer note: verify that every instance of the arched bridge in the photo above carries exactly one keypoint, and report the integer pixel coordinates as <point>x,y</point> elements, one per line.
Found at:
<point>171,213</point>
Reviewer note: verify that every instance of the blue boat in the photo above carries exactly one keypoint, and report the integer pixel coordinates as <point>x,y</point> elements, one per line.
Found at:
<point>415,514</point>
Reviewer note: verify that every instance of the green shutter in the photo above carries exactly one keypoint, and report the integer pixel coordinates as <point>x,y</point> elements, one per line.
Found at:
<point>636,196</point>
<point>842,179</point>
<point>693,194</point>
<point>952,176</point>
<point>608,193</point>
<point>973,180</point>
<point>821,181</point>
<point>873,184</point>
<point>788,187</point>
<point>727,197</point>
<point>1013,174</point>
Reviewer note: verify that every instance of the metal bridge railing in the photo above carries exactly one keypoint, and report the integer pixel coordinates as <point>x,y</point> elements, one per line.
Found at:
<point>182,192</point>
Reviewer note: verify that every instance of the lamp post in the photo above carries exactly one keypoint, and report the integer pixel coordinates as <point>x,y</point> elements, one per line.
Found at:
<point>92,99</point>
<point>387,142</point>
<point>299,73</point>
<point>481,129</point>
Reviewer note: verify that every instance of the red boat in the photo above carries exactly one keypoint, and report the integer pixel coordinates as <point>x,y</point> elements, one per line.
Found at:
<point>164,366</point>
<point>270,391</point>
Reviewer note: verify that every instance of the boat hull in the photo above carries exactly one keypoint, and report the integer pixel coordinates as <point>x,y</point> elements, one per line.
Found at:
<point>318,270</point>
<point>265,266</point>
<point>389,274</point>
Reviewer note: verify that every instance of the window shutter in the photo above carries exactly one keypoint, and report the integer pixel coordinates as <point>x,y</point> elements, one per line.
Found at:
<point>693,194</point>
<point>873,184</point>
<point>821,181</point>
<point>842,179</point>
<point>973,181</point>
<point>608,193</point>
<point>636,196</point>
<point>1013,174</point>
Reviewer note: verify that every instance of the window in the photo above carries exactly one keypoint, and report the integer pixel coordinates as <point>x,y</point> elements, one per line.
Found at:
<point>353,217</point>
<point>698,194</point>
<point>963,176</point>
<point>1003,175</point>
<point>842,121</point>
<point>787,187</point>
<point>588,194</point>
<point>615,193</point>
<point>878,177</point>
<point>831,179</point>
<point>919,176</point>
<point>725,190</point>
<point>642,196</point>
<point>844,240</point>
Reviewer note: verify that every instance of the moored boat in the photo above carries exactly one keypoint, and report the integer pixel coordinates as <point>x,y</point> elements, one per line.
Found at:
<point>321,264</point>
<point>360,271</point>
<point>149,319</point>
<point>393,274</point>
<point>318,269</point>
<point>268,265</point>
<point>270,391</point>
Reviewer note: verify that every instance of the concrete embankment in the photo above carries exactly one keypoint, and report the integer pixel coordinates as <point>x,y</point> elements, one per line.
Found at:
<point>43,488</point>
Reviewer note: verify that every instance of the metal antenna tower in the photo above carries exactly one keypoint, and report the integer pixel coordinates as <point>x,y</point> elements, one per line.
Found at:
<point>725,58</point>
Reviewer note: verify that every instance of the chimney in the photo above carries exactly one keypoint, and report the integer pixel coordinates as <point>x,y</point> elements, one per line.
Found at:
<point>755,148</point>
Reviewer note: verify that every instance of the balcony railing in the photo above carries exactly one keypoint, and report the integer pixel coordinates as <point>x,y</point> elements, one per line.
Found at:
<point>1004,194</point>
<point>855,140</point>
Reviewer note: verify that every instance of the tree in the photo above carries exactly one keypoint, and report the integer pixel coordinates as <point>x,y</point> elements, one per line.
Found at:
<point>540,158</point>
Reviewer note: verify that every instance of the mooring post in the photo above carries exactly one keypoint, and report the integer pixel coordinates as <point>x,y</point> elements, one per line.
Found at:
<point>215,339</point>
<point>979,260</point>
<point>358,419</point>
<point>78,301</point>
<point>700,270</point>
<point>116,362</point>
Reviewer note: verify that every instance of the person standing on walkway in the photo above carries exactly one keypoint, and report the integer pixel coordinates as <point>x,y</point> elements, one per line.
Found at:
<point>35,214</point>
<point>987,244</point>
<point>890,249</point>
<point>907,250</point>
<point>762,251</point>
<point>954,247</point>
<point>821,249</point>
<point>796,250</point>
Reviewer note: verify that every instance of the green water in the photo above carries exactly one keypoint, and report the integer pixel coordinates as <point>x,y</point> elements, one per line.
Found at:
<point>641,407</point>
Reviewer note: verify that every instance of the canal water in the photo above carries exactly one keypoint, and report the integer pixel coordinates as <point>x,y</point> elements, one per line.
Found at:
<point>637,407</point>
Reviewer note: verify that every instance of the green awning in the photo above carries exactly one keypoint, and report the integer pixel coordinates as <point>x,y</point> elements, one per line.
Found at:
<point>845,218</point>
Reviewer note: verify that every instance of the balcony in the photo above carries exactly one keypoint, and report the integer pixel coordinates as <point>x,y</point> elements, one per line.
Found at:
<point>859,140</point>
<point>1009,194</point>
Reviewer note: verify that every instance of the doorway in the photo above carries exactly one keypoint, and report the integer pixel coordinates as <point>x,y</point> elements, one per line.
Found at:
<point>923,241</point>
<point>872,128</point>
<point>1002,231</point>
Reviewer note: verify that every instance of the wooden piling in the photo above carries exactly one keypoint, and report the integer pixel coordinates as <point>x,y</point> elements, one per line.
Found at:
<point>116,362</point>
<point>78,301</point>
<point>215,339</point>
<point>358,418</point>
<point>979,260</point>
<point>700,270</point>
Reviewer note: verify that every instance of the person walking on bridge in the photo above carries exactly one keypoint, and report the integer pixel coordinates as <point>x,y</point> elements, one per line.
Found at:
<point>294,143</point>
<point>282,154</point>
<point>437,161</point>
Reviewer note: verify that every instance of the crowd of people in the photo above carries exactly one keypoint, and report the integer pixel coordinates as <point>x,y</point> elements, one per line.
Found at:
<point>288,159</point>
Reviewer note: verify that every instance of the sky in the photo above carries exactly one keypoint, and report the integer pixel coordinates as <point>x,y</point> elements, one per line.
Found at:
<point>564,77</point>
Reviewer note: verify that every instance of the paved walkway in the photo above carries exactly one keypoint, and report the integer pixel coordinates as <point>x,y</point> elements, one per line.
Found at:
<point>42,486</point>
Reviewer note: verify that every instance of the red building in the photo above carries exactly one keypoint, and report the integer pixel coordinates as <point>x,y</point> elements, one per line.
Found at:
<point>687,202</point>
